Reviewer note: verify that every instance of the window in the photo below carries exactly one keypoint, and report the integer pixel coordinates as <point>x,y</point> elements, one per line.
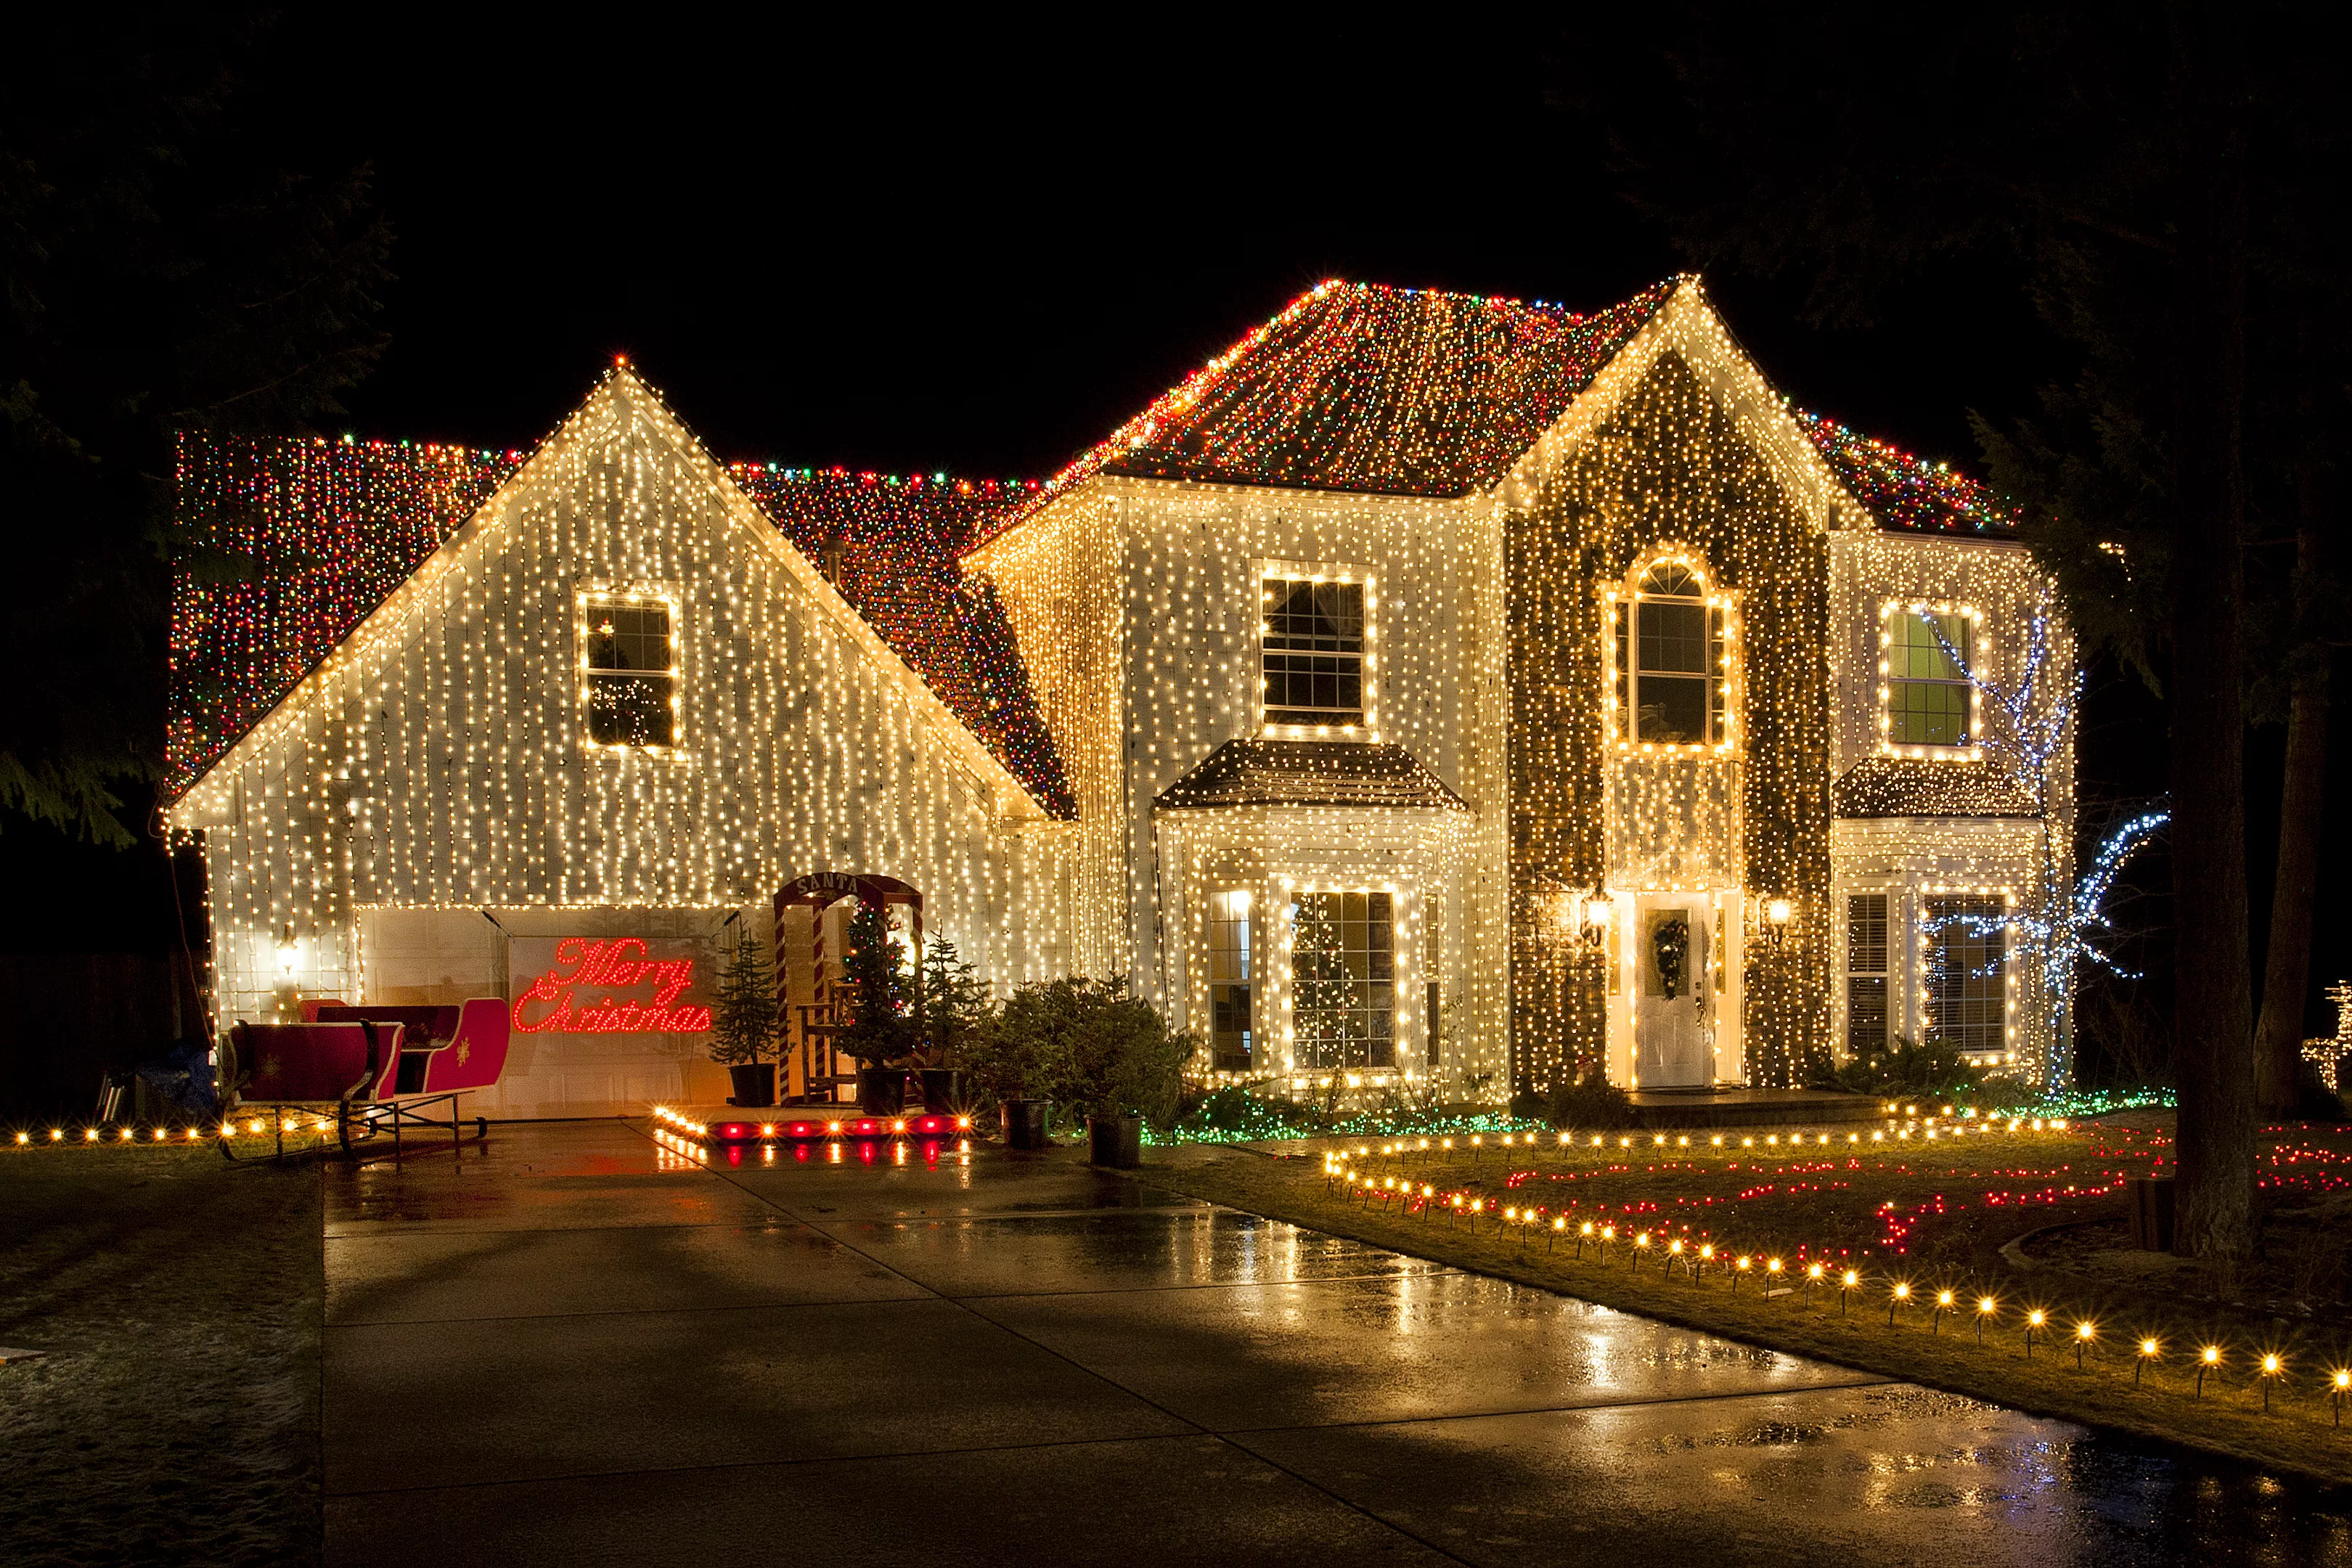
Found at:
<point>631,677</point>
<point>1967,961</point>
<point>1343,972</point>
<point>1865,974</point>
<point>1313,652</point>
<point>1929,701</point>
<point>1229,983</point>
<point>1673,668</point>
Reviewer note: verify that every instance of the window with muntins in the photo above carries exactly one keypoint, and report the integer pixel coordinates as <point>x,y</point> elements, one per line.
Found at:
<point>1230,1040</point>
<point>1343,980</point>
<point>1313,652</point>
<point>1928,691</point>
<point>631,675</point>
<point>1674,669</point>
<point>1866,974</point>
<point>1967,971</point>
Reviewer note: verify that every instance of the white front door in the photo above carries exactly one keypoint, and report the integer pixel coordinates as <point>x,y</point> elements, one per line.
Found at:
<point>1674,1006</point>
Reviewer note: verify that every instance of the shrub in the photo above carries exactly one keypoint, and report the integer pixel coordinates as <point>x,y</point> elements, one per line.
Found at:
<point>1908,1068</point>
<point>1591,1101</point>
<point>1123,1060</point>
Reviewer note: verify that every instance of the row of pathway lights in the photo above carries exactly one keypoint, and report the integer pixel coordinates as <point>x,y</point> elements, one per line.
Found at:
<point>1931,1127</point>
<point>1460,1206</point>
<point>85,1136</point>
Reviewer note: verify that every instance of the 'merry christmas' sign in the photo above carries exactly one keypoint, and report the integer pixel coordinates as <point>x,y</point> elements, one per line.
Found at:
<point>604,985</point>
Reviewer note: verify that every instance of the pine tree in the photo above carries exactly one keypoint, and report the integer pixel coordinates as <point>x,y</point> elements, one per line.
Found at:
<point>743,1025</point>
<point>954,1002</point>
<point>884,1028</point>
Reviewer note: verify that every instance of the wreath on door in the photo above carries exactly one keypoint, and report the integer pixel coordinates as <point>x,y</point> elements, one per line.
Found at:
<point>1670,947</point>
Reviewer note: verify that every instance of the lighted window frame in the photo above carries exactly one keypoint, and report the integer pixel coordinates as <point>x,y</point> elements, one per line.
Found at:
<point>593,605</point>
<point>1362,720</point>
<point>1671,576</point>
<point>1992,1045</point>
<point>1871,951</point>
<point>1232,1031</point>
<point>1977,646</point>
<point>1343,997</point>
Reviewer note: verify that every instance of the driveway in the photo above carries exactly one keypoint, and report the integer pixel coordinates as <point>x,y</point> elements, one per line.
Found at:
<point>576,1345</point>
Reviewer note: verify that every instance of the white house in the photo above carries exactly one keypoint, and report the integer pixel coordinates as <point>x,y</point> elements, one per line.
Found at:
<point>1430,689</point>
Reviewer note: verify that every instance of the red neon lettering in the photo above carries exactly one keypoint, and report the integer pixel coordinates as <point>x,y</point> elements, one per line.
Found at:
<point>618,963</point>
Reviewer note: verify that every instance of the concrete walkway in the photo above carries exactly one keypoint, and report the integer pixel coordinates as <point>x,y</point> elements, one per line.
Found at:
<point>577,1346</point>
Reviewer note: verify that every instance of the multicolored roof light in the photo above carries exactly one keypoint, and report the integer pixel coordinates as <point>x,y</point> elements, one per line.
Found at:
<point>1354,386</point>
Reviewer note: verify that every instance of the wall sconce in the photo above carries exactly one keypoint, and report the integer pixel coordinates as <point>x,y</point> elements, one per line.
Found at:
<point>1777,912</point>
<point>1599,908</point>
<point>289,952</point>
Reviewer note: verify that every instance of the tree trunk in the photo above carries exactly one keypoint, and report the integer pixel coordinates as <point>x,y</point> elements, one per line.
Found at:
<point>2213,1005</point>
<point>2287,968</point>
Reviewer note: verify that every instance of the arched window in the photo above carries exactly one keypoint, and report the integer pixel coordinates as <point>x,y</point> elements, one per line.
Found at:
<point>1674,667</point>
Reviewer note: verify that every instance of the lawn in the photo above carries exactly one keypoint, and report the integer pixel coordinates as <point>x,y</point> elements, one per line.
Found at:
<point>2028,1220</point>
<point>176,1416</point>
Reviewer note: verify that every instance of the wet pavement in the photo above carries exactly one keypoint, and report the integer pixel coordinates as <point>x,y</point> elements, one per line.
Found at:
<point>576,1345</point>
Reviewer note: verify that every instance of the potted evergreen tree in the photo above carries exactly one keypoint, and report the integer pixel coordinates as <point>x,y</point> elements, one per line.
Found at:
<point>881,1034</point>
<point>743,1027</point>
<point>1018,1059</point>
<point>954,1008</point>
<point>1125,1067</point>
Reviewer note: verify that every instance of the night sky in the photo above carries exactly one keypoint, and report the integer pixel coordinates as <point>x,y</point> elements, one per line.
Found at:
<point>918,242</point>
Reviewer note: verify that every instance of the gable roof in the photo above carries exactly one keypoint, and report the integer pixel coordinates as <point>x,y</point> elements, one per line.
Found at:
<point>1353,386</point>
<point>1375,389</point>
<point>299,540</point>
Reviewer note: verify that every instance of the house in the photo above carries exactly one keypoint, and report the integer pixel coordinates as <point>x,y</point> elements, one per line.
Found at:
<point>1433,690</point>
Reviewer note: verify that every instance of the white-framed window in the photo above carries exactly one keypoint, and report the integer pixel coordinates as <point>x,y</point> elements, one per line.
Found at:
<point>1232,1038</point>
<point>1315,656</point>
<point>1966,979</point>
<point>1868,974</point>
<point>1343,980</point>
<point>1927,706</point>
<point>1673,644</point>
<point>628,670</point>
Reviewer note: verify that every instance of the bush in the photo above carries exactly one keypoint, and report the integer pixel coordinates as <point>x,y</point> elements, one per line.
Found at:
<point>1123,1061</point>
<point>1591,1101</point>
<point>1909,1068</point>
<point>1084,1044</point>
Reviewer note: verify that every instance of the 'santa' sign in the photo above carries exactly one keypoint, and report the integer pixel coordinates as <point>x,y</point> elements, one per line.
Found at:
<point>608,985</point>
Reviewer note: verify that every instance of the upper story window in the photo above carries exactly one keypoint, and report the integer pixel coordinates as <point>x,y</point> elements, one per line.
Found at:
<point>1315,652</point>
<point>1927,704</point>
<point>1672,649</point>
<point>629,671</point>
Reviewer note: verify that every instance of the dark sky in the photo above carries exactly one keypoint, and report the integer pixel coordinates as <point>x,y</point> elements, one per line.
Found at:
<point>910,243</point>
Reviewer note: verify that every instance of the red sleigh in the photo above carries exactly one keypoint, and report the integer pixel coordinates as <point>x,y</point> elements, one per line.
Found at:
<point>372,1068</point>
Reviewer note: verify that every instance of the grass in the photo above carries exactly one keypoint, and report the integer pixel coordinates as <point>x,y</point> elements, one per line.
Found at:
<point>176,1416</point>
<point>1932,1215</point>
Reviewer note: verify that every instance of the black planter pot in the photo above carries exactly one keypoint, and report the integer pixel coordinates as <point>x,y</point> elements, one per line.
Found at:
<point>754,1084</point>
<point>881,1091</point>
<point>1025,1123</point>
<point>1116,1141</point>
<point>942,1090</point>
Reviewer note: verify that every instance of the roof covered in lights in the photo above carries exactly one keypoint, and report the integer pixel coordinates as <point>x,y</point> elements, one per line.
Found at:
<point>314,534</point>
<point>1375,389</point>
<point>1309,773</point>
<point>1354,386</point>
